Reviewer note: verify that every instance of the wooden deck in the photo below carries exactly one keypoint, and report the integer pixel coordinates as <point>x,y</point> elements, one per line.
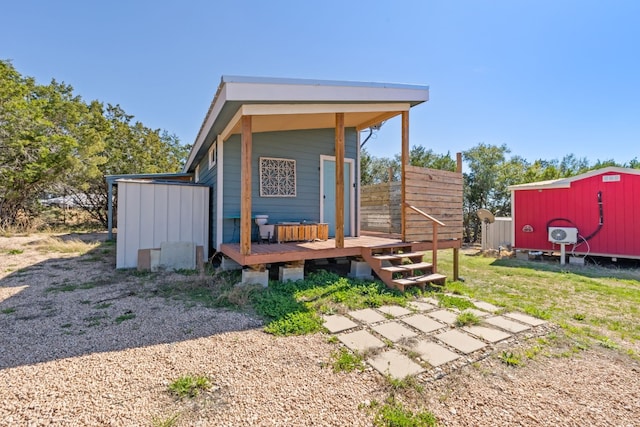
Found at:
<point>263,253</point>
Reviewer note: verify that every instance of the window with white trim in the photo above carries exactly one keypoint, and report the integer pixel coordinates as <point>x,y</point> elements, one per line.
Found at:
<point>277,177</point>
<point>213,154</point>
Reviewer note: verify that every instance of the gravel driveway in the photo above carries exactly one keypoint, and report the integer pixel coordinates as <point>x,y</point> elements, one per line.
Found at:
<point>83,344</point>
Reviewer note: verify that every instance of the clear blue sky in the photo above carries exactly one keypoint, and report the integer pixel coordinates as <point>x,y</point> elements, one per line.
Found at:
<point>546,78</point>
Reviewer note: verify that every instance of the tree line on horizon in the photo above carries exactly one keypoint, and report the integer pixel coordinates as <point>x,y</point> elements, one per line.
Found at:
<point>490,172</point>
<point>53,142</point>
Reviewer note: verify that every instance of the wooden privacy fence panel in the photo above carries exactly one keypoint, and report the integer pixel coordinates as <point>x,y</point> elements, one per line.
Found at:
<point>437,193</point>
<point>380,207</point>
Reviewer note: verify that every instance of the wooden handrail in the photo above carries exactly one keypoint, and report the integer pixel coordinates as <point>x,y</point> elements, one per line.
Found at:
<point>436,222</point>
<point>424,214</point>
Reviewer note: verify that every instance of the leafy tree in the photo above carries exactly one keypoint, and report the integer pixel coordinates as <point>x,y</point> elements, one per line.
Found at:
<point>480,185</point>
<point>38,140</point>
<point>420,156</point>
<point>52,141</point>
<point>128,148</point>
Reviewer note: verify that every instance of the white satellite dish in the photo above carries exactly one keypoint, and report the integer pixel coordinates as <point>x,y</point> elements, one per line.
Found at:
<point>486,216</point>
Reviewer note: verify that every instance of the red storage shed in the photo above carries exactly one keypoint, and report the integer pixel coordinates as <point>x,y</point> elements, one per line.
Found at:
<point>596,213</point>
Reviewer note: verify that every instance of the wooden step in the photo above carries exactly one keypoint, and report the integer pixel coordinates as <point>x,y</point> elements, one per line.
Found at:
<point>395,269</point>
<point>417,266</point>
<point>430,278</point>
<point>387,257</point>
<point>410,254</point>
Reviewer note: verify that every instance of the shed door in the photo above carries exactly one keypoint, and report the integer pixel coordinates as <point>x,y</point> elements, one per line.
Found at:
<point>328,194</point>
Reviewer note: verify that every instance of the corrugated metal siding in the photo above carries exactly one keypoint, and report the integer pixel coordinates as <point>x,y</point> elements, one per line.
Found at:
<point>304,146</point>
<point>497,234</point>
<point>620,234</point>
<point>152,213</point>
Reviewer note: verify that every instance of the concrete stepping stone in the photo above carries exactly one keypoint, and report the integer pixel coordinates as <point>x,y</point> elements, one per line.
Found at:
<point>506,324</point>
<point>367,316</point>
<point>394,331</point>
<point>524,318</point>
<point>446,316</point>
<point>433,353</point>
<point>430,300</point>
<point>337,323</point>
<point>461,341</point>
<point>486,306</point>
<point>421,305</point>
<point>487,334</point>
<point>394,310</point>
<point>422,323</point>
<point>360,341</point>
<point>395,364</point>
<point>477,312</point>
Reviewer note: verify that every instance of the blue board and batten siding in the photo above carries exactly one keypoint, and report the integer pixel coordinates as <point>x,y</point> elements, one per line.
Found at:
<point>303,146</point>
<point>209,177</point>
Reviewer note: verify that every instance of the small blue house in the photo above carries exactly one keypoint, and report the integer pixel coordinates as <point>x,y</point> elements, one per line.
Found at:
<point>290,149</point>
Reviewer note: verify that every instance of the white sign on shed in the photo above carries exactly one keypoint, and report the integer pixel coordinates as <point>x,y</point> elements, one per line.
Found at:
<point>150,214</point>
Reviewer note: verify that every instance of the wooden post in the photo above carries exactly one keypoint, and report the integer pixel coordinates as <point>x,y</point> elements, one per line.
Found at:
<point>403,178</point>
<point>245,187</point>
<point>434,252</point>
<point>339,180</point>
<point>456,251</point>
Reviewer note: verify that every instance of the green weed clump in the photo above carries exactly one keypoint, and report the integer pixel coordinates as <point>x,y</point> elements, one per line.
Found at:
<point>467,318</point>
<point>345,361</point>
<point>189,386</point>
<point>296,323</point>
<point>393,414</point>
<point>455,302</point>
<point>510,359</point>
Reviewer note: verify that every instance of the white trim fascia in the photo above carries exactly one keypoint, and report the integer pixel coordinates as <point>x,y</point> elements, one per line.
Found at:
<point>324,157</point>
<point>228,129</point>
<point>219,193</point>
<point>293,109</point>
<point>310,92</point>
<point>218,102</point>
<point>566,182</point>
<point>513,219</point>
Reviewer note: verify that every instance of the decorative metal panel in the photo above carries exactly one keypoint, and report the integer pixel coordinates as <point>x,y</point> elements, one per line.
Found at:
<point>277,177</point>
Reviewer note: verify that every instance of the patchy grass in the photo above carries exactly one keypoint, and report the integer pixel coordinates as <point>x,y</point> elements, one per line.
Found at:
<point>189,386</point>
<point>71,246</point>
<point>394,414</point>
<point>126,316</point>
<point>346,361</point>
<point>510,359</point>
<point>8,310</point>
<point>591,303</point>
<point>14,251</point>
<point>70,287</point>
<point>168,421</point>
<point>291,308</point>
<point>467,318</point>
<point>455,302</point>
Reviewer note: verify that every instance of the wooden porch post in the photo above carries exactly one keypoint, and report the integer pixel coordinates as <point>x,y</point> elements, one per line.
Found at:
<point>456,251</point>
<point>405,161</point>
<point>339,180</point>
<point>245,187</point>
